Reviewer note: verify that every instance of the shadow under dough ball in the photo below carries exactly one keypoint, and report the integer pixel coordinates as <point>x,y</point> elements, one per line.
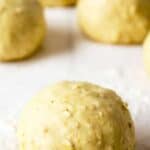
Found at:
<point>57,2</point>
<point>76,116</point>
<point>22,28</point>
<point>115,21</point>
<point>146,53</point>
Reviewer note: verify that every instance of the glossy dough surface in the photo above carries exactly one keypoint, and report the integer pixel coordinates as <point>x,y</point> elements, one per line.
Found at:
<point>115,21</point>
<point>22,28</point>
<point>76,116</point>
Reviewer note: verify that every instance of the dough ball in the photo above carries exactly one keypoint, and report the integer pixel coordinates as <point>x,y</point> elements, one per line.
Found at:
<point>115,21</point>
<point>76,116</point>
<point>58,2</point>
<point>146,53</point>
<point>22,28</point>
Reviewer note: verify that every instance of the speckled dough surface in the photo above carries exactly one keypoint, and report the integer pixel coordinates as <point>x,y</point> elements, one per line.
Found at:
<point>57,2</point>
<point>115,21</point>
<point>22,28</point>
<point>146,53</point>
<point>76,116</point>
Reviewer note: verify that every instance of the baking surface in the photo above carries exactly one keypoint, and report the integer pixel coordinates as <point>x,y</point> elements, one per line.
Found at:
<point>68,55</point>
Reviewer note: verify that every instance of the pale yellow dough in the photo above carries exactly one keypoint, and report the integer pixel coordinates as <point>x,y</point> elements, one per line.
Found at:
<point>146,53</point>
<point>115,21</point>
<point>57,2</point>
<point>76,116</point>
<point>22,28</point>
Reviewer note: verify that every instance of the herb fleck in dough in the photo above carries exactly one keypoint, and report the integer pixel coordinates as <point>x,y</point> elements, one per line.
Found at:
<point>76,116</point>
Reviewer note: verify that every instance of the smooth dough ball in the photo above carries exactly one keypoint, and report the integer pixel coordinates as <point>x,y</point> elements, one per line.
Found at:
<point>22,28</point>
<point>76,116</point>
<point>57,2</point>
<point>115,21</point>
<point>146,53</point>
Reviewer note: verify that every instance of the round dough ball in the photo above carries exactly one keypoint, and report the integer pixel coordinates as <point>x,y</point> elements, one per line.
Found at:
<point>57,2</point>
<point>22,28</point>
<point>76,115</point>
<point>115,21</point>
<point>146,53</point>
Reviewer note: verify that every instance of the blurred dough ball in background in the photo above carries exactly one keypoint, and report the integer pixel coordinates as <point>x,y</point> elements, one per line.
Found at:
<point>22,28</point>
<point>115,21</point>
<point>57,2</point>
<point>146,53</point>
<point>76,115</point>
